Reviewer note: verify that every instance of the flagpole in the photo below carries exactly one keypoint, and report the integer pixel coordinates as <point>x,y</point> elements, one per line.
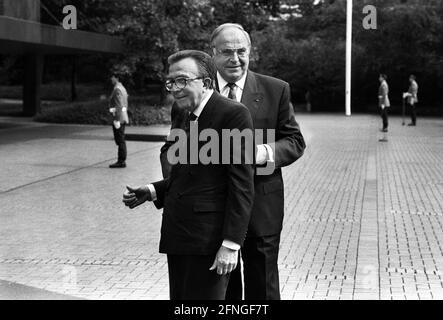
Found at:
<point>348,56</point>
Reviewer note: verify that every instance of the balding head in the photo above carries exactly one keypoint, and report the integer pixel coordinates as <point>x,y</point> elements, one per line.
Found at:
<point>232,28</point>
<point>231,46</point>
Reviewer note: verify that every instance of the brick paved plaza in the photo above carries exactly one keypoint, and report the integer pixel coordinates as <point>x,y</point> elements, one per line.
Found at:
<point>364,219</point>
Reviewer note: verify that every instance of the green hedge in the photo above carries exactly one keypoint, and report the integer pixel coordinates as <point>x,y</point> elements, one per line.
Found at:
<point>140,112</point>
<point>57,91</point>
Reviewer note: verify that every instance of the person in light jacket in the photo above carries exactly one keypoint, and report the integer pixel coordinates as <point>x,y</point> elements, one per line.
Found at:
<point>118,106</point>
<point>412,99</point>
<point>383,100</point>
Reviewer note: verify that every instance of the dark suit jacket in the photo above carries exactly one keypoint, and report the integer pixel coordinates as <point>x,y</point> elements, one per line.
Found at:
<point>206,204</point>
<point>267,99</point>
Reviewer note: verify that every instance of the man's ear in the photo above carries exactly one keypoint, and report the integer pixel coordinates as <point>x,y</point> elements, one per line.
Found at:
<point>213,52</point>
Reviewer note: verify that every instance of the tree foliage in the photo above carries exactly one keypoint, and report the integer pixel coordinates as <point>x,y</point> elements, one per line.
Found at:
<point>300,41</point>
<point>309,52</point>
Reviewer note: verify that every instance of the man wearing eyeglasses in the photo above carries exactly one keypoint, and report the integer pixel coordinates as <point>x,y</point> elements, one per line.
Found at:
<point>268,100</point>
<point>206,206</point>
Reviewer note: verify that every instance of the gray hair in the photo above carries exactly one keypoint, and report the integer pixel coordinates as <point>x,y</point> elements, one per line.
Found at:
<point>205,64</point>
<point>224,26</point>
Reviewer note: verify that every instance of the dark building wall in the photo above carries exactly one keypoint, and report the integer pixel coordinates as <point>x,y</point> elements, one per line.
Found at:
<point>21,9</point>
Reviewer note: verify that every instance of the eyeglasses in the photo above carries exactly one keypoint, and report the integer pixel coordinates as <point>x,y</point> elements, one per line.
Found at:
<point>179,83</point>
<point>241,52</point>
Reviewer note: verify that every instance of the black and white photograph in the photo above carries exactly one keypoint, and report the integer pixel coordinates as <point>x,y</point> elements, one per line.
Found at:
<point>243,152</point>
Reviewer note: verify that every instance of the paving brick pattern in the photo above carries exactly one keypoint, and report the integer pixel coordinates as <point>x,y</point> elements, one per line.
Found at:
<point>364,219</point>
<point>410,206</point>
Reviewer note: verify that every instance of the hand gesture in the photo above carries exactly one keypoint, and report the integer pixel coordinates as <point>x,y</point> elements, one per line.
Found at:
<point>133,197</point>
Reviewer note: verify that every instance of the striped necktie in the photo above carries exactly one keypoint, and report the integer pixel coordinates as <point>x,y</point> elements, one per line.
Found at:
<point>190,116</point>
<point>232,91</point>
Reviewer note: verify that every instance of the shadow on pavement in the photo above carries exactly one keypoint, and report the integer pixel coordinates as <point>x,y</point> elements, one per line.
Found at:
<point>16,291</point>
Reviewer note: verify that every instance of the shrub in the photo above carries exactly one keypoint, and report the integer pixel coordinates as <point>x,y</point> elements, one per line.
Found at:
<point>97,112</point>
<point>56,91</point>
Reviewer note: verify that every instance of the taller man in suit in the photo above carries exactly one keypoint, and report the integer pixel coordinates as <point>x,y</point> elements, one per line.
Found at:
<point>268,101</point>
<point>206,205</point>
<point>118,106</point>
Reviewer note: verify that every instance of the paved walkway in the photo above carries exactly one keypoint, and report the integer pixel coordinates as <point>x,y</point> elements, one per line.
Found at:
<point>364,219</point>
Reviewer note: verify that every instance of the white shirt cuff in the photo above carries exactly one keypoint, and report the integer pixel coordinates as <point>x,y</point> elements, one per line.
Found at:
<point>261,155</point>
<point>124,109</point>
<point>152,190</point>
<point>264,154</point>
<point>270,157</point>
<point>231,245</point>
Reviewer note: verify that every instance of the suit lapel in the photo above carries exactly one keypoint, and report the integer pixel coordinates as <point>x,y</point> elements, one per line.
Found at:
<point>205,119</point>
<point>251,97</point>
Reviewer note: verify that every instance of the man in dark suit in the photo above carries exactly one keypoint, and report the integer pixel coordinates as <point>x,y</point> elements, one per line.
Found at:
<point>268,101</point>
<point>206,206</point>
<point>118,105</point>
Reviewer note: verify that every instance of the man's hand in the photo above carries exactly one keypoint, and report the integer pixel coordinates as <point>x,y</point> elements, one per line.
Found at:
<point>133,197</point>
<point>382,106</point>
<point>225,260</point>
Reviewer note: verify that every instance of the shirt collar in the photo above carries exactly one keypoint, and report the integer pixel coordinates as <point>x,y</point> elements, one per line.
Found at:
<point>222,82</point>
<point>197,111</point>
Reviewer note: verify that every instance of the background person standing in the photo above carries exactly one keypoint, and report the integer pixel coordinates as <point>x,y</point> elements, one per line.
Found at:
<point>383,100</point>
<point>118,106</point>
<point>412,99</point>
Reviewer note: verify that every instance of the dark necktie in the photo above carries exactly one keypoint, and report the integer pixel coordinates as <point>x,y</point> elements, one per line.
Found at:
<point>232,91</point>
<point>190,116</point>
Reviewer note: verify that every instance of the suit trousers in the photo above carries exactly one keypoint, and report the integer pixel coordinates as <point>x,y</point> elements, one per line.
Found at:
<point>413,113</point>
<point>260,269</point>
<point>191,279</point>
<point>119,138</point>
<point>384,116</point>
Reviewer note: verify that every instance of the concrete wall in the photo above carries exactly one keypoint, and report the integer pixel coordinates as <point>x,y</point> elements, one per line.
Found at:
<point>18,36</point>
<point>21,9</point>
